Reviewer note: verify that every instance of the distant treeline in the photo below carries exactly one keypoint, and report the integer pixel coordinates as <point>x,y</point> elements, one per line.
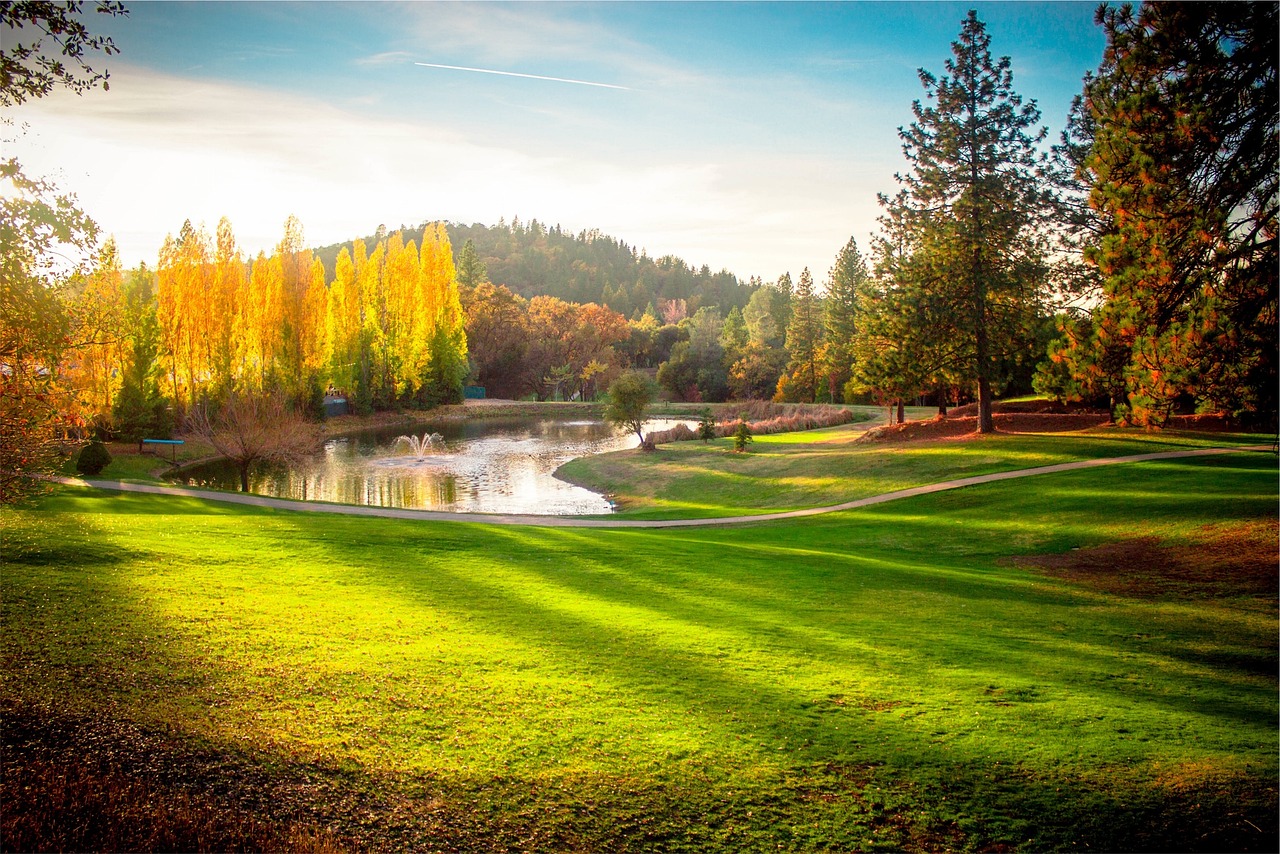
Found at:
<point>532,259</point>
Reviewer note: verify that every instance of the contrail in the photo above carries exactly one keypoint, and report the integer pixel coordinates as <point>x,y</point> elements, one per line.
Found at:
<point>517,74</point>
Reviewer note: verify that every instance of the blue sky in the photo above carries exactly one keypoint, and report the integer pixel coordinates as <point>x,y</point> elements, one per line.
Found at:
<point>747,136</point>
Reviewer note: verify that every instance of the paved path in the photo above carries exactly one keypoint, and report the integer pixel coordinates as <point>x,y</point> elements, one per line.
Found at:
<point>579,522</point>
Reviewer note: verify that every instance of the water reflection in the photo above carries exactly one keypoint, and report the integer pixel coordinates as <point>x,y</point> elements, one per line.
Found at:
<point>482,466</point>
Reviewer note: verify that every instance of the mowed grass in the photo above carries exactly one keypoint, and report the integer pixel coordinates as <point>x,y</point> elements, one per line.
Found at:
<point>818,468</point>
<point>884,678</point>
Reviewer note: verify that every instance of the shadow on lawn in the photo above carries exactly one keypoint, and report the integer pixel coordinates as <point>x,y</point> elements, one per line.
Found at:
<point>683,611</point>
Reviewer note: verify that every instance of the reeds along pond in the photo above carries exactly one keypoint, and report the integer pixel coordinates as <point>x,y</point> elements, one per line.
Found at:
<point>763,418</point>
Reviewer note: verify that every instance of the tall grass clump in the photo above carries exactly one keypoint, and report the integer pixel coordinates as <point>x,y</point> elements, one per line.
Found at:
<point>764,418</point>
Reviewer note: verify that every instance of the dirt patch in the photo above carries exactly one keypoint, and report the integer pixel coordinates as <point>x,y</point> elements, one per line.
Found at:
<point>1220,562</point>
<point>953,427</point>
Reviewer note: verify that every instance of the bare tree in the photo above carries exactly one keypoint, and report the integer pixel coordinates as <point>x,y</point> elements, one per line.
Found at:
<point>252,429</point>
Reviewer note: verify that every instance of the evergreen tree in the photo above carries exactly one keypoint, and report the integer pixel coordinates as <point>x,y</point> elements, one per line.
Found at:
<point>846,278</point>
<point>140,410</point>
<point>1182,168</point>
<point>471,270</point>
<point>804,340</point>
<point>971,210</point>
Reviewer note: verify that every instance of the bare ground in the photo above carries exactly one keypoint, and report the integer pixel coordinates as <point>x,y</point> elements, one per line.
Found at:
<point>1220,562</point>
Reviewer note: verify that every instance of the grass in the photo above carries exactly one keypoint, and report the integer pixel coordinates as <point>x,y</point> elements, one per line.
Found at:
<point>823,467</point>
<point>880,679</point>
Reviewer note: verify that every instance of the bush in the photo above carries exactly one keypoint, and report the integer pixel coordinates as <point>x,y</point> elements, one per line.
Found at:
<point>93,458</point>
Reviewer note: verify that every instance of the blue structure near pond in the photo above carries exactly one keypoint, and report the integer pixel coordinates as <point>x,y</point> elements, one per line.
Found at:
<point>473,392</point>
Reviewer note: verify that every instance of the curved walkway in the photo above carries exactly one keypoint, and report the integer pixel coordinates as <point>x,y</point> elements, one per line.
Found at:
<point>580,522</point>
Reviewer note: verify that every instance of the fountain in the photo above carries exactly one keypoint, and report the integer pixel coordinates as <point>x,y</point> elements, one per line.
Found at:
<point>419,447</point>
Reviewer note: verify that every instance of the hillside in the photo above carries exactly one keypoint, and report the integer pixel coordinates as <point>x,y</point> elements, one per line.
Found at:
<point>532,259</point>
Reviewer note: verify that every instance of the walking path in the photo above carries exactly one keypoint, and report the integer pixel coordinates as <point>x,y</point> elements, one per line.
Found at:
<point>580,522</point>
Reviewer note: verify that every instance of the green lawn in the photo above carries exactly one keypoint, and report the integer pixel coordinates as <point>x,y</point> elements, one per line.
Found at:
<point>819,468</point>
<point>884,678</point>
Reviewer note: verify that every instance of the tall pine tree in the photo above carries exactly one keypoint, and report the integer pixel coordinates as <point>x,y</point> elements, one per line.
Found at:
<point>971,212</point>
<point>1182,168</point>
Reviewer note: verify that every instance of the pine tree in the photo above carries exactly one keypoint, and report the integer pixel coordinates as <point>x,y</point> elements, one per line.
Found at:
<point>971,211</point>
<point>804,340</point>
<point>846,278</point>
<point>471,270</point>
<point>1182,168</point>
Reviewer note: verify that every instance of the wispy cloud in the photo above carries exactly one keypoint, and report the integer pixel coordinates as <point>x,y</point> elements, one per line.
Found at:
<point>387,57</point>
<point>160,149</point>
<point>518,74</point>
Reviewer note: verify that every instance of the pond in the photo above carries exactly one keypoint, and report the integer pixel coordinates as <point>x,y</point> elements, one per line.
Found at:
<point>491,465</point>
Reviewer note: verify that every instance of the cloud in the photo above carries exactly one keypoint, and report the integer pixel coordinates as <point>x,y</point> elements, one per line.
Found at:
<point>387,57</point>
<point>160,149</point>
<point>518,74</point>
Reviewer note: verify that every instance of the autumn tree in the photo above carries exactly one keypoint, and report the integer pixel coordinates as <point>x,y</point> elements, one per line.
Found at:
<point>98,314</point>
<point>972,209</point>
<point>44,46</point>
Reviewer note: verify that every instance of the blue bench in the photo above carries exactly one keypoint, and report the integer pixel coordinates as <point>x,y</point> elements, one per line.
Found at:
<point>173,442</point>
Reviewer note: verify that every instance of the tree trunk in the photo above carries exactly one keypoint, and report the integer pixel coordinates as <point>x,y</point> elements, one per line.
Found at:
<point>244,477</point>
<point>902,412</point>
<point>942,402</point>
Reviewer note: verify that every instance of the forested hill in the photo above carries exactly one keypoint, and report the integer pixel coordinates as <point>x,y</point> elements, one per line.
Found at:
<point>532,259</point>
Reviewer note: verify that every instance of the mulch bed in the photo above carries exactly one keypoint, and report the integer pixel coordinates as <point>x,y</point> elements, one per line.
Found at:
<point>1221,561</point>
<point>964,426</point>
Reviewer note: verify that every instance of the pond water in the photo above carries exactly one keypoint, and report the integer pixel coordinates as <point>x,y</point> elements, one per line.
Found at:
<point>492,465</point>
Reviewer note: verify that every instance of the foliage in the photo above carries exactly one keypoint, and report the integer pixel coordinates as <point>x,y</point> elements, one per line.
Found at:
<point>741,436</point>
<point>969,222</point>
<point>93,458</point>
<point>695,370</point>
<point>845,282</point>
<point>39,230</point>
<point>30,68</point>
<point>533,259</point>
<point>252,429</point>
<point>706,426</point>
<point>629,398</point>
<point>1179,146</point>
<point>804,344</point>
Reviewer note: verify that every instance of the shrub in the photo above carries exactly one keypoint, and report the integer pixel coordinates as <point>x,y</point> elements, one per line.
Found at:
<point>94,457</point>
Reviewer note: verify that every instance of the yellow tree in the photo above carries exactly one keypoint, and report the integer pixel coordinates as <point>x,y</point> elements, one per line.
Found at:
<point>314,327</point>
<point>447,357</point>
<point>373,388</point>
<point>183,281</point>
<point>98,311</point>
<point>229,288</point>
<point>260,319</point>
<point>342,322</point>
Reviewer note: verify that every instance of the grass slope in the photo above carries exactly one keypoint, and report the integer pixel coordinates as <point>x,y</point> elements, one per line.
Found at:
<point>823,467</point>
<point>878,679</point>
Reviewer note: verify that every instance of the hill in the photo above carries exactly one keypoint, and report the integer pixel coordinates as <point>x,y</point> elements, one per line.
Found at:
<point>532,259</point>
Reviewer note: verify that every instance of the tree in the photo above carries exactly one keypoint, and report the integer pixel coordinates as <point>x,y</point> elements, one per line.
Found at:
<point>971,212</point>
<point>1180,141</point>
<point>629,398</point>
<point>804,342</point>
<point>251,429</point>
<point>471,270</point>
<point>30,69</point>
<point>140,410</point>
<point>39,228</point>
<point>847,277</point>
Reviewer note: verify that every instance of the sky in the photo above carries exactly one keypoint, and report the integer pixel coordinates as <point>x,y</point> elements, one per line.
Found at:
<point>752,137</point>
